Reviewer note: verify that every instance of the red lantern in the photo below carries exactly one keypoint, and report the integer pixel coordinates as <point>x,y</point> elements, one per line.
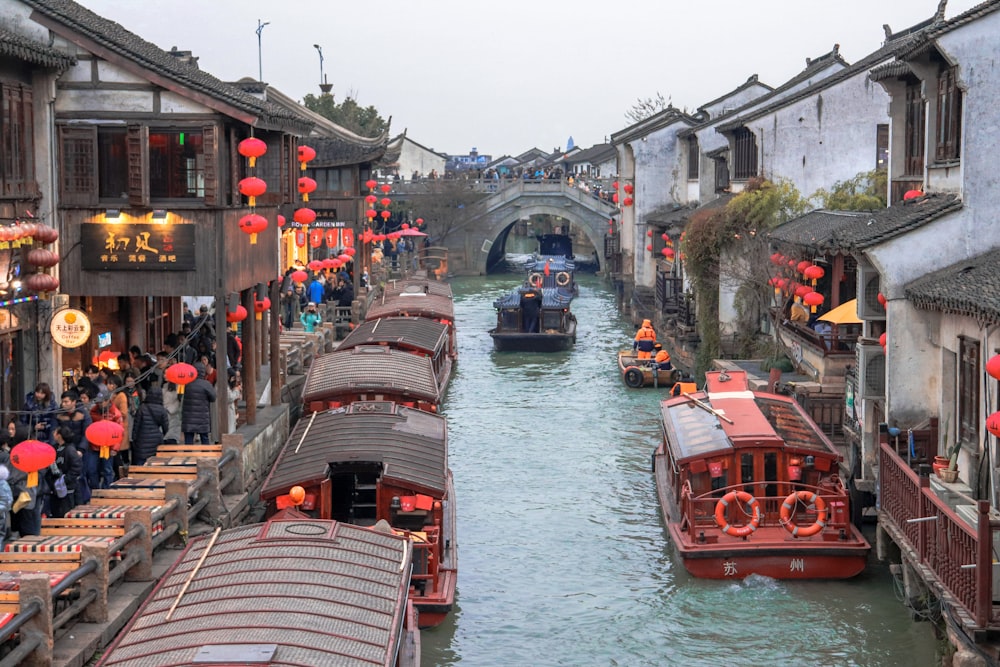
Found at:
<point>31,456</point>
<point>992,425</point>
<point>42,257</point>
<point>252,187</point>
<point>304,216</point>
<point>628,201</point>
<point>615,185</point>
<point>385,202</point>
<point>385,187</point>
<point>316,238</point>
<point>349,251</point>
<point>105,436</point>
<point>371,183</point>
<point>801,290</point>
<point>803,265</point>
<point>281,221</point>
<point>663,251</point>
<point>813,299</point>
<point>261,306</point>
<point>41,283</point>
<point>386,215</point>
<point>252,148</point>
<point>315,266</point>
<point>370,200</point>
<point>419,221</point>
<point>993,367</point>
<point>370,214</point>
<point>649,247</point>
<point>614,197</point>
<point>668,253</point>
<point>814,273</point>
<point>881,340</point>
<point>881,299</point>
<point>912,194</point>
<point>46,234</point>
<point>300,276</point>
<point>305,154</point>
<point>777,258</point>
<point>181,375</point>
<point>238,316</point>
<point>344,258</point>
<point>629,188</point>
<point>404,226</point>
<point>253,224</point>
<point>306,185</point>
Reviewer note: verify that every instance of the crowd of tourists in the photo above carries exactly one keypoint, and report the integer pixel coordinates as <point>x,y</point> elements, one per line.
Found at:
<point>132,392</point>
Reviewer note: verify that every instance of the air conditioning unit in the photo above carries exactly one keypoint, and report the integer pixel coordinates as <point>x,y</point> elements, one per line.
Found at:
<point>869,286</point>
<point>871,371</point>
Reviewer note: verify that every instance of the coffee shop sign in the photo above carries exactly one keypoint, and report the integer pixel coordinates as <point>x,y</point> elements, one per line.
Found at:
<point>70,328</point>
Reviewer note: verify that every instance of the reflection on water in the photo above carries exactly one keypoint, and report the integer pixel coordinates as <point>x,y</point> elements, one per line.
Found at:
<point>564,559</point>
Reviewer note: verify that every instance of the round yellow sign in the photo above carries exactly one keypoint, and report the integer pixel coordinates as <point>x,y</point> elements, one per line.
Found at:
<point>70,327</point>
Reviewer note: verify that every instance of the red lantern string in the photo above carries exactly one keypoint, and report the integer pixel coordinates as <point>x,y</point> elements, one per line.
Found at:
<point>305,154</point>
<point>252,148</point>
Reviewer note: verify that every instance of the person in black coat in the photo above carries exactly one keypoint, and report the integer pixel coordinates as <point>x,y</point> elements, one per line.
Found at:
<point>196,410</point>
<point>151,425</point>
<point>69,465</point>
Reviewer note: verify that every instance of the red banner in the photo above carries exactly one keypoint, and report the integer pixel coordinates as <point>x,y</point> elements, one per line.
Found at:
<point>347,237</point>
<point>316,238</point>
<point>332,238</point>
<point>300,238</point>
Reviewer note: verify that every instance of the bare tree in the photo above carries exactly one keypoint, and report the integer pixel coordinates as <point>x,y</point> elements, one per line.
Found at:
<point>644,108</point>
<point>445,207</point>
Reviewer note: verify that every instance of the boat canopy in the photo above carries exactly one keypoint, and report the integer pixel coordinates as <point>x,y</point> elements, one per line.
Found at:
<point>552,297</point>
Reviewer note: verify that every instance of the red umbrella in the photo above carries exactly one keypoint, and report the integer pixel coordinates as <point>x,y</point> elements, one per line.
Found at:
<point>411,232</point>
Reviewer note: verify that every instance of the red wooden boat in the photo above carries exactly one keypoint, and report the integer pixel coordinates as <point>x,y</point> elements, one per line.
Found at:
<point>748,484</point>
<point>417,298</point>
<point>379,462</point>
<point>416,335</point>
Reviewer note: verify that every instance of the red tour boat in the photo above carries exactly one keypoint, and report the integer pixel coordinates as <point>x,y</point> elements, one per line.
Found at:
<point>748,484</point>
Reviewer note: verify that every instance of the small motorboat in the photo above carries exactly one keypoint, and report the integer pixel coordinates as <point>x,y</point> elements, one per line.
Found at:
<point>638,373</point>
<point>552,328</point>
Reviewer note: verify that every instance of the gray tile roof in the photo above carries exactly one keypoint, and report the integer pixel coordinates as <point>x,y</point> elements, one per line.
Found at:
<point>970,288</point>
<point>824,230</point>
<point>36,53</point>
<point>69,18</point>
<point>671,214</point>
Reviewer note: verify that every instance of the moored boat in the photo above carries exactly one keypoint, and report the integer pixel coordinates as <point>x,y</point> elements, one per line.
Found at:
<point>552,273</point>
<point>638,373</point>
<point>534,320</point>
<point>416,298</point>
<point>379,461</point>
<point>416,335</point>
<point>292,591</point>
<point>748,484</point>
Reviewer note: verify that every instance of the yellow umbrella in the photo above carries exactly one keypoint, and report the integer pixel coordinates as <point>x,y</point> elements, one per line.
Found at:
<point>845,313</point>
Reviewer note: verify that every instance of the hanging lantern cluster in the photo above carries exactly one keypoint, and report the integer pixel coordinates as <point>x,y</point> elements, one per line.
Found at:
<point>252,187</point>
<point>786,280</point>
<point>34,235</point>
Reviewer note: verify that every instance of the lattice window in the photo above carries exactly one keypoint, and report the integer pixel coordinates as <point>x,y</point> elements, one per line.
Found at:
<point>949,117</point>
<point>693,156</point>
<point>744,154</point>
<point>915,122</point>
<point>968,390</point>
<point>17,168</point>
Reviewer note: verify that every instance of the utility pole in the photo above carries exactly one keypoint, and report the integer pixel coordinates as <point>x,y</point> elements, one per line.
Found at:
<point>323,85</point>
<point>260,61</point>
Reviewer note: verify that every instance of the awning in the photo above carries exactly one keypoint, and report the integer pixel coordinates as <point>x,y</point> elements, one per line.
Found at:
<point>845,313</point>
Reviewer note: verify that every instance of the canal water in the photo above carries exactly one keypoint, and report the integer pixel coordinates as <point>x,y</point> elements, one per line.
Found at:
<point>563,558</point>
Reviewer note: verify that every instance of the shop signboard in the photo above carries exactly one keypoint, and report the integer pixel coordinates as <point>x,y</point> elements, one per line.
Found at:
<point>137,246</point>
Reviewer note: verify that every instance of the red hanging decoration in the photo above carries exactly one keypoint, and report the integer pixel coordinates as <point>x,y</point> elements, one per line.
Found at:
<point>306,186</point>
<point>304,216</point>
<point>281,221</point>
<point>881,340</point>
<point>316,238</point>
<point>370,214</point>
<point>649,247</point>
<point>370,200</point>
<point>629,188</point>
<point>347,237</point>
<point>261,306</point>
<point>41,283</point>
<point>252,187</point>
<point>332,238</point>
<point>46,234</point>
<point>300,238</point>
<point>993,367</point>
<point>385,202</point>
<point>105,436</point>
<point>419,221</point>
<point>253,224</point>
<point>992,424</point>
<point>238,316</point>
<point>615,185</point>
<point>42,257</point>
<point>614,197</point>
<point>315,266</point>
<point>181,375</point>
<point>628,201</point>
<point>371,183</point>
<point>386,215</point>
<point>31,456</point>
<point>385,188</point>
<point>252,149</point>
<point>305,154</point>
<point>803,265</point>
<point>300,276</point>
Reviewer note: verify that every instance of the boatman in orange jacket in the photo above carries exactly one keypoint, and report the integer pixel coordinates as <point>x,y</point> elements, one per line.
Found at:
<point>645,339</point>
<point>662,359</point>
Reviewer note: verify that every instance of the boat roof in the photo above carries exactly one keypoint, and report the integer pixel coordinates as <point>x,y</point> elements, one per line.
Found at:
<point>417,286</point>
<point>422,304</point>
<point>292,591</point>
<point>371,368</point>
<point>555,262</point>
<point>758,419</point>
<point>411,445</point>
<point>418,333</point>
<point>552,297</point>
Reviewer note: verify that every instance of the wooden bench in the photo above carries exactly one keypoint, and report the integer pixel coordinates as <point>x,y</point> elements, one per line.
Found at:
<point>140,497</point>
<point>189,450</point>
<point>145,472</point>
<point>33,561</point>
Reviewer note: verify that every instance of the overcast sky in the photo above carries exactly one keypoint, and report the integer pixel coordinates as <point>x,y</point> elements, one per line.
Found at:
<point>507,76</point>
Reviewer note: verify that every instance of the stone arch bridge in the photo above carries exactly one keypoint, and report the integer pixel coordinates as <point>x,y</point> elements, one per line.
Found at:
<point>475,241</point>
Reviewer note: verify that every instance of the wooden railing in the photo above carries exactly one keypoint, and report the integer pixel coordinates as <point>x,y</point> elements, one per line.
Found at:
<point>831,344</point>
<point>955,558</point>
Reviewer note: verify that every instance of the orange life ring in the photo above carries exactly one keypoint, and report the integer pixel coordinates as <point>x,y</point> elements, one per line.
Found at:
<point>809,498</point>
<point>535,279</point>
<point>723,523</point>
<point>562,279</point>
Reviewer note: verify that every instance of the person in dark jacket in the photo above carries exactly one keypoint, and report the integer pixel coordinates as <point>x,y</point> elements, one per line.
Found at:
<point>196,410</point>
<point>40,412</point>
<point>151,425</point>
<point>69,465</point>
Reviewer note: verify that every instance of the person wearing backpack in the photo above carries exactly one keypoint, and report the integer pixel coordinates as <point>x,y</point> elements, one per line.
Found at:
<point>152,422</point>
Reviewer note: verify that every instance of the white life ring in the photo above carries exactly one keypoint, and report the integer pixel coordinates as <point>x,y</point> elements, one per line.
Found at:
<point>535,279</point>
<point>562,279</point>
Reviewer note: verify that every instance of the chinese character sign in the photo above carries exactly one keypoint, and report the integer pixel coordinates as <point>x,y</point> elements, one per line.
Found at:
<point>137,247</point>
<point>70,328</point>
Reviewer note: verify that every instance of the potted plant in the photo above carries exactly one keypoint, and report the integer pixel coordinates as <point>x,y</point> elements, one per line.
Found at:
<point>950,474</point>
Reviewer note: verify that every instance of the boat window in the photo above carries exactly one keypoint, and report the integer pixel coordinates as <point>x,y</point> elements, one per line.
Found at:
<point>510,319</point>
<point>719,483</point>
<point>746,468</point>
<point>551,320</point>
<point>771,474</point>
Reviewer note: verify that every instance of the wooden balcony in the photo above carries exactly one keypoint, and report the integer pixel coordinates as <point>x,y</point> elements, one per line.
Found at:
<point>948,537</point>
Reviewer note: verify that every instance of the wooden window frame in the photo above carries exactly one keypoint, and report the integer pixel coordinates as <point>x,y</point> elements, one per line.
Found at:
<point>881,146</point>
<point>744,154</point>
<point>17,146</point>
<point>693,157</point>
<point>948,135</point>
<point>915,116</point>
<point>969,372</point>
<point>721,174</point>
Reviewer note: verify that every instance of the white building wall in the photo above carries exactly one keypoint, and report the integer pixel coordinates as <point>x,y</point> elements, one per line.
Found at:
<point>657,182</point>
<point>415,158</point>
<point>825,138</point>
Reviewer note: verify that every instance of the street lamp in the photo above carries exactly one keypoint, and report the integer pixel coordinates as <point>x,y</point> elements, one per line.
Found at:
<point>323,85</point>
<point>260,62</point>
